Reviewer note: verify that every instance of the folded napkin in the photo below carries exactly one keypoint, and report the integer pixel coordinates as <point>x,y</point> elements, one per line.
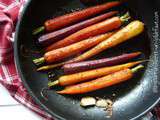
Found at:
<point>9,78</point>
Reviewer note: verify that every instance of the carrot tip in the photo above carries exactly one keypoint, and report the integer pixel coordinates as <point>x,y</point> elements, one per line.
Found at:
<point>39,61</point>
<point>138,53</point>
<point>125,17</point>
<point>54,83</point>
<point>135,69</point>
<point>48,67</point>
<point>143,61</point>
<point>41,68</point>
<point>38,30</point>
<point>60,92</point>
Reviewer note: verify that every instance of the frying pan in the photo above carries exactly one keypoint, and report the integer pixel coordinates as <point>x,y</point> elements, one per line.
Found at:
<point>133,98</point>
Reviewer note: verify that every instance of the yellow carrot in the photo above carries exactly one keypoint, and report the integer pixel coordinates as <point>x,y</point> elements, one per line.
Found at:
<point>133,29</point>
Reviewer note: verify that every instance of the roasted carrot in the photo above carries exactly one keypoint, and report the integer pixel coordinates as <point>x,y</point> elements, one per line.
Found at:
<point>133,29</point>
<point>67,19</point>
<point>102,82</point>
<point>49,38</point>
<point>92,64</point>
<point>90,74</point>
<point>61,53</point>
<point>93,30</point>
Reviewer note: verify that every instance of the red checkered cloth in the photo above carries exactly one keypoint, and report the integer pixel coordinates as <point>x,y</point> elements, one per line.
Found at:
<point>9,11</point>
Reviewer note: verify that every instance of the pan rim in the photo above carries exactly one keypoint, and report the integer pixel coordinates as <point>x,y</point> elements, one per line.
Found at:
<point>35,98</point>
<point>18,66</point>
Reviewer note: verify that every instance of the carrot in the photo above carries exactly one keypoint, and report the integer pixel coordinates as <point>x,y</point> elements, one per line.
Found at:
<point>102,82</point>
<point>133,29</point>
<point>61,53</point>
<point>92,64</point>
<point>93,30</point>
<point>64,20</point>
<point>91,74</point>
<point>49,38</point>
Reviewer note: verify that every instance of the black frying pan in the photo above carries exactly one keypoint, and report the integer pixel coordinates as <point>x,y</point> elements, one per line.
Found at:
<point>133,98</point>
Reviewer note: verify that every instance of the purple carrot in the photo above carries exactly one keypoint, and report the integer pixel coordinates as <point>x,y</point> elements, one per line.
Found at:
<point>62,33</point>
<point>86,65</point>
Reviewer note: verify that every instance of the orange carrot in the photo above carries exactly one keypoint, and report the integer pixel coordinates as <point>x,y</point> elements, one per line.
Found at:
<point>91,74</point>
<point>61,53</point>
<point>133,29</point>
<point>67,19</point>
<point>93,30</point>
<point>102,82</point>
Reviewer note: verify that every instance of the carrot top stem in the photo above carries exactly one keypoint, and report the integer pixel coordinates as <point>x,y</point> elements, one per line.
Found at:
<point>50,84</point>
<point>39,61</point>
<point>125,17</point>
<point>38,30</point>
<point>135,69</point>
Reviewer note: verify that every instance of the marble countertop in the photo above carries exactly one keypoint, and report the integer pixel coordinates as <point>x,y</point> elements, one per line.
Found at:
<point>10,109</point>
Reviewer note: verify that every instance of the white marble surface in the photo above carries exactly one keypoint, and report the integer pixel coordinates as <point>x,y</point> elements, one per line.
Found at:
<point>12,110</point>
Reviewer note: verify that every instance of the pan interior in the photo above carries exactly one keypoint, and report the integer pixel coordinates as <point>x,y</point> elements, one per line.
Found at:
<point>132,97</point>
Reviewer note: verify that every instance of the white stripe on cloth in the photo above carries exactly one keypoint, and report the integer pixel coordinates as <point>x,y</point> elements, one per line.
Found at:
<point>2,5</point>
<point>12,38</point>
<point>21,9</point>
<point>1,59</point>
<point>6,73</point>
<point>5,50</point>
<point>1,77</point>
<point>13,77</point>
<point>12,5</point>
